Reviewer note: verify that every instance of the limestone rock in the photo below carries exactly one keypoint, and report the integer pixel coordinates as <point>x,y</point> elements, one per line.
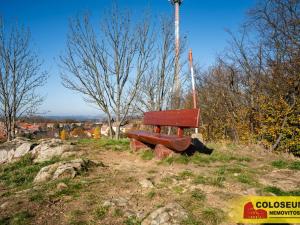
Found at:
<point>14,149</point>
<point>70,169</point>
<point>49,148</point>
<point>68,154</point>
<point>145,183</point>
<point>23,149</point>
<point>45,173</point>
<point>42,151</point>
<point>171,214</point>
<point>61,170</point>
<point>6,156</point>
<point>13,144</point>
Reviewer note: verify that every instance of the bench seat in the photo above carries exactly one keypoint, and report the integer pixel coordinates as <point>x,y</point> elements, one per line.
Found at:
<point>173,142</point>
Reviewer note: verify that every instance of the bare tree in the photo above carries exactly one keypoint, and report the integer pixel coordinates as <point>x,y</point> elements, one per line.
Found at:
<point>277,23</point>
<point>156,89</point>
<point>107,68</point>
<point>20,76</point>
<point>246,58</point>
<point>253,90</point>
<point>157,83</point>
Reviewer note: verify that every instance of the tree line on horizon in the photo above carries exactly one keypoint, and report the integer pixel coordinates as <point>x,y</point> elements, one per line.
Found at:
<point>126,67</point>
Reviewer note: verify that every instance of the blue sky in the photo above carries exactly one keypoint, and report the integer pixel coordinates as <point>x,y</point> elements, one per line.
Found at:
<point>203,21</point>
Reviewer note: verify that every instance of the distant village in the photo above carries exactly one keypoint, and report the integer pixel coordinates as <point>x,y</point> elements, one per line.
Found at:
<point>75,129</point>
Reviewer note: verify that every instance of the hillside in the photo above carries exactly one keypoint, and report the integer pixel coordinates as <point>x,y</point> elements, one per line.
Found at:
<point>118,186</point>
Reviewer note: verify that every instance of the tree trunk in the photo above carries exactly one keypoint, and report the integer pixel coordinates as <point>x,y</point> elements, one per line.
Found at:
<point>117,135</point>
<point>13,128</point>
<point>111,131</point>
<point>8,129</point>
<point>8,132</point>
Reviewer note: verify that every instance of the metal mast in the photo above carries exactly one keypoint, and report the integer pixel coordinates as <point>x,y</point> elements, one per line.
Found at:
<point>176,87</point>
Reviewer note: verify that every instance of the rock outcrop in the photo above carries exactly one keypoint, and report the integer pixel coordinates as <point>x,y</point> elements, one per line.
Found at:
<point>46,173</point>
<point>49,148</point>
<point>67,169</point>
<point>15,149</point>
<point>41,151</point>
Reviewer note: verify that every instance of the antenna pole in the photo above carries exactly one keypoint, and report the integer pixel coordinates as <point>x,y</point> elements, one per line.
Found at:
<point>176,87</point>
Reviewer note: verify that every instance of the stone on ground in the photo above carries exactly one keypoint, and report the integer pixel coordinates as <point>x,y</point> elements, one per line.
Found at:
<point>45,150</point>
<point>23,149</point>
<point>145,183</point>
<point>68,169</point>
<point>46,173</point>
<point>13,150</point>
<point>171,214</point>
<point>6,156</point>
<point>49,148</point>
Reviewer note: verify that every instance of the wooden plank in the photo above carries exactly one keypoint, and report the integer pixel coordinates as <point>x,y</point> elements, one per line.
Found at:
<point>175,143</point>
<point>185,118</point>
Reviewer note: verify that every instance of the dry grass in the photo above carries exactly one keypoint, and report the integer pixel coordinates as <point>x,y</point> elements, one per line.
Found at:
<point>202,184</point>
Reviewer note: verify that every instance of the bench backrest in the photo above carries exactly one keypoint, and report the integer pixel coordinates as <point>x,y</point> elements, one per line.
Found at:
<point>184,118</point>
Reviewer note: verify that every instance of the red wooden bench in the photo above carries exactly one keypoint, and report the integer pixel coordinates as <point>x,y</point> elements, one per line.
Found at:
<point>164,144</point>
